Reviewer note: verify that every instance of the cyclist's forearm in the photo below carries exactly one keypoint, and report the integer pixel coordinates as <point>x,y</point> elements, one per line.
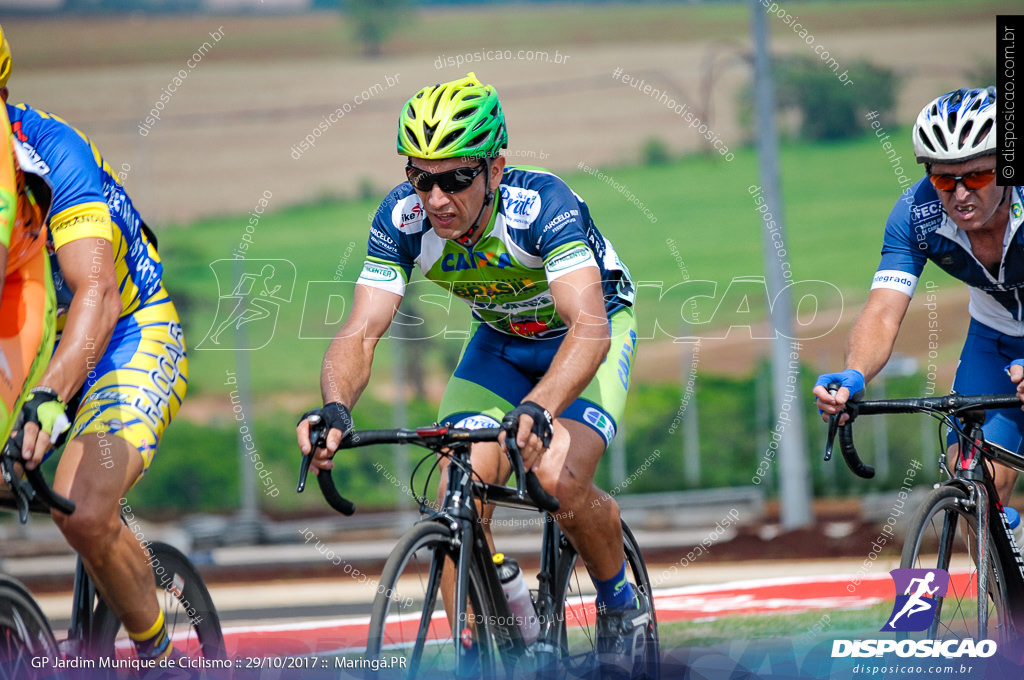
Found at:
<point>870,345</point>
<point>346,370</point>
<point>572,369</point>
<point>87,331</point>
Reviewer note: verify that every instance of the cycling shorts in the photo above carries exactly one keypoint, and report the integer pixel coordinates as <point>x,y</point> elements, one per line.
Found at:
<point>137,385</point>
<point>496,371</point>
<point>984,357</point>
<point>28,312</point>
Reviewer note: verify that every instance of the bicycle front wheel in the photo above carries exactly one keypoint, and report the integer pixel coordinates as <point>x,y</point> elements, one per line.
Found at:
<point>943,535</point>
<point>576,615</point>
<point>191,619</point>
<point>24,633</point>
<point>411,633</point>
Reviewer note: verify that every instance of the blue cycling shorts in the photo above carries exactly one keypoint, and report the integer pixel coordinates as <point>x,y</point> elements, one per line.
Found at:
<point>984,357</point>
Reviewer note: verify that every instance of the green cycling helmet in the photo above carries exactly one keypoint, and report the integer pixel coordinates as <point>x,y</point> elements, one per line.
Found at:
<point>453,120</point>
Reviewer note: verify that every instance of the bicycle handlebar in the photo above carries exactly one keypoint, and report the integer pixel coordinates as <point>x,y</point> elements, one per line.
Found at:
<point>434,438</point>
<point>950,404</point>
<point>33,488</point>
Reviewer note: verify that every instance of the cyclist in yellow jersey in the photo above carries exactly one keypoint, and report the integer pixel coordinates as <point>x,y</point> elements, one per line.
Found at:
<point>120,356</point>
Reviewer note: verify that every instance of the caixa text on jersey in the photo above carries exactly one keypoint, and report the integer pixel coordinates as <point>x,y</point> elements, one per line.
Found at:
<point>738,308</point>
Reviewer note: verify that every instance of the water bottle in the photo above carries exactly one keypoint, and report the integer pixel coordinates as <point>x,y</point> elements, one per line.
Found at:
<point>514,586</point>
<point>1012,516</point>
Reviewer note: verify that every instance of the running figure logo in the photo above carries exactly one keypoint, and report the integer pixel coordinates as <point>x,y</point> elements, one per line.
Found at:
<point>250,296</point>
<point>915,608</point>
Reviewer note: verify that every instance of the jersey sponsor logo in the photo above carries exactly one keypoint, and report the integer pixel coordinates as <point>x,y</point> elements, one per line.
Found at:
<point>476,422</point>
<point>456,262</point>
<point>894,279</point>
<point>378,272</point>
<point>568,260</point>
<point>528,329</point>
<point>600,422</point>
<point>491,288</point>
<point>926,211</point>
<point>28,158</point>
<point>559,221</point>
<point>408,215</point>
<point>383,240</point>
<point>522,206</point>
<point>515,306</point>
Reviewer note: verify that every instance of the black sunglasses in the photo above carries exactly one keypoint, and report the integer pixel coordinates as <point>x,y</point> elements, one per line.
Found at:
<point>450,181</point>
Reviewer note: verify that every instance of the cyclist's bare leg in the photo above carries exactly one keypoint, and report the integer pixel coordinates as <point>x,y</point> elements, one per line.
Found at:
<point>588,516</point>
<point>96,477</point>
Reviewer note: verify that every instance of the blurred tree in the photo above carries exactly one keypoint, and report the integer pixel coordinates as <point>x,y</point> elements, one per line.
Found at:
<point>816,104</point>
<point>982,74</point>
<point>375,19</point>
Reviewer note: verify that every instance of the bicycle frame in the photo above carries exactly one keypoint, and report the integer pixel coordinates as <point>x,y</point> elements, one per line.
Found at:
<point>973,477</point>
<point>459,511</point>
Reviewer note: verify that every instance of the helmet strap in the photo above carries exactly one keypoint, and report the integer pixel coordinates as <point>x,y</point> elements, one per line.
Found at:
<point>466,239</point>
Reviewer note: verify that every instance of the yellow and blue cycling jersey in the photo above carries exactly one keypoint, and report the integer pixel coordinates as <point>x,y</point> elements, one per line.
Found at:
<point>138,384</point>
<point>88,201</point>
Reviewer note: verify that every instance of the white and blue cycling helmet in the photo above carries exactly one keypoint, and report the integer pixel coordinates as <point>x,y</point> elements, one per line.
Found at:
<point>957,127</point>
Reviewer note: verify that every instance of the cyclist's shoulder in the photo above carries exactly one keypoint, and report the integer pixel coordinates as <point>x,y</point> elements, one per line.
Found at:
<point>401,213</point>
<point>531,179</point>
<point>35,126</point>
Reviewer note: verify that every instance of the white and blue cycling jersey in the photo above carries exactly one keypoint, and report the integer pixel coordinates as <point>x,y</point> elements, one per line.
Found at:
<point>919,230</point>
<point>541,230</point>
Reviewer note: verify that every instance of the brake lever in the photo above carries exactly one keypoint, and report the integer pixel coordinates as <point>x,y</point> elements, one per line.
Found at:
<point>317,440</point>
<point>20,490</point>
<point>833,422</point>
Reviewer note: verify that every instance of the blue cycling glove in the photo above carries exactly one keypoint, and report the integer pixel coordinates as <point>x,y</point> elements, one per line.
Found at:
<point>1015,362</point>
<point>851,379</point>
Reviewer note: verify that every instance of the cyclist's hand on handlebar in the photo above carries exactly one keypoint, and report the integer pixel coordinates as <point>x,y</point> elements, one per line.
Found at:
<point>851,384</point>
<point>43,420</point>
<point>1015,369</point>
<point>338,420</point>
<point>533,427</point>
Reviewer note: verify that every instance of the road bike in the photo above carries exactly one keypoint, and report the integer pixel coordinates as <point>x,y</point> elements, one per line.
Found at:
<point>96,635</point>
<point>960,526</point>
<point>413,632</point>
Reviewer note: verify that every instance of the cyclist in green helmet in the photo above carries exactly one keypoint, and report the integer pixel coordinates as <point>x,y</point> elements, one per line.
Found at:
<point>553,335</point>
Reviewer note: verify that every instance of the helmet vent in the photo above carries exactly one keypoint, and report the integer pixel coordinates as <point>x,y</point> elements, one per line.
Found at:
<point>983,133</point>
<point>463,114</point>
<point>410,137</point>
<point>449,139</point>
<point>939,137</point>
<point>965,134</point>
<point>428,132</point>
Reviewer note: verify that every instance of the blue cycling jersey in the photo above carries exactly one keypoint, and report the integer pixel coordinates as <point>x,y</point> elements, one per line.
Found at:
<point>541,230</point>
<point>919,230</point>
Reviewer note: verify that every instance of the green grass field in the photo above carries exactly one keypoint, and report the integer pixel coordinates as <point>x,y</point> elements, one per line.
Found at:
<point>836,199</point>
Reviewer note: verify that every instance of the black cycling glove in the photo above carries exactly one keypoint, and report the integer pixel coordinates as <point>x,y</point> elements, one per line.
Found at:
<point>46,410</point>
<point>542,421</point>
<point>335,416</point>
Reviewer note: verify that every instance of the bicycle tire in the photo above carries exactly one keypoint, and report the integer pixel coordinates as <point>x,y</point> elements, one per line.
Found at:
<point>408,602</point>
<point>577,648</point>
<point>959,616</point>
<point>189,613</point>
<point>25,633</point>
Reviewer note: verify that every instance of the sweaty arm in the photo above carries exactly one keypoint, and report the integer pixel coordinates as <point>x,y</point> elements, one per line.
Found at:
<point>346,367</point>
<point>579,302</point>
<point>88,268</point>
<point>870,343</point>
